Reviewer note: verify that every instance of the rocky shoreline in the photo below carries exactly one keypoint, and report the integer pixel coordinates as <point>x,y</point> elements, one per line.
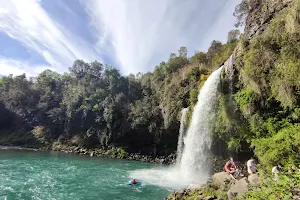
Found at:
<point>117,153</point>
<point>220,187</point>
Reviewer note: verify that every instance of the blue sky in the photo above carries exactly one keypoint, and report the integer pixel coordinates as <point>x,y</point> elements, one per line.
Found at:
<point>131,35</point>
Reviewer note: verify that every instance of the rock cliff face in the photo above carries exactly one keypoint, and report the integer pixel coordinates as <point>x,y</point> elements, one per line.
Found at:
<point>261,13</point>
<point>259,17</point>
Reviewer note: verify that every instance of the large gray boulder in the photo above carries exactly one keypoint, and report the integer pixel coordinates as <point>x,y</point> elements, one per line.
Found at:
<point>194,187</point>
<point>221,178</point>
<point>253,179</point>
<point>238,188</point>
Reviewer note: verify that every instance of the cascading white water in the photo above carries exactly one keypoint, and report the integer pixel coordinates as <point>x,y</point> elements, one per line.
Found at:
<point>195,160</point>
<point>182,129</point>
<point>195,164</point>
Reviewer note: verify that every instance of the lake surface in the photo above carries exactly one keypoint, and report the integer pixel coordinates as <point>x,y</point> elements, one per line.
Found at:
<point>27,174</point>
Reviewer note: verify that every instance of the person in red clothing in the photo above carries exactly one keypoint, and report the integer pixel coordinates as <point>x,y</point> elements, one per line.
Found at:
<point>230,168</point>
<point>133,181</point>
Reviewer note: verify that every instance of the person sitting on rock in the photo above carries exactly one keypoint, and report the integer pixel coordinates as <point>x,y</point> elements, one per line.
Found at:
<point>251,167</point>
<point>230,168</point>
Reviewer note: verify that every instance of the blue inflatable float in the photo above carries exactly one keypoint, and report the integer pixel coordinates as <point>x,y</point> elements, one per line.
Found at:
<point>136,184</point>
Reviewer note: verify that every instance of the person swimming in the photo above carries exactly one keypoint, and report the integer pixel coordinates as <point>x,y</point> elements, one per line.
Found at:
<point>133,181</point>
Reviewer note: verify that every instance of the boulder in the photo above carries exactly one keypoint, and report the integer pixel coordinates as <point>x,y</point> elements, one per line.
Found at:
<point>194,187</point>
<point>296,197</point>
<point>221,178</point>
<point>76,148</point>
<point>180,193</point>
<point>253,179</point>
<point>210,198</point>
<point>237,188</point>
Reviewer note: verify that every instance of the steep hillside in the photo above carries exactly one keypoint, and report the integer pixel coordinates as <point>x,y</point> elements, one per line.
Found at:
<point>264,100</point>
<point>258,109</point>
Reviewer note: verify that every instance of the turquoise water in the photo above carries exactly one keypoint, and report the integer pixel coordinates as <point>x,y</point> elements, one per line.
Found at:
<point>28,174</point>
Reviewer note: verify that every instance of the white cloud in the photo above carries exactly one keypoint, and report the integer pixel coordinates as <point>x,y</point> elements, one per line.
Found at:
<point>136,34</point>
<point>141,33</point>
<point>17,67</point>
<point>28,23</point>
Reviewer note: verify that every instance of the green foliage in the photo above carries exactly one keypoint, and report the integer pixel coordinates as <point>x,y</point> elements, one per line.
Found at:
<point>220,53</point>
<point>215,48</point>
<point>241,12</point>
<point>203,78</point>
<point>182,52</point>
<point>192,74</point>
<point>117,153</point>
<point>209,190</point>
<point>285,81</point>
<point>233,35</point>
<point>223,124</point>
<point>273,125</point>
<point>246,99</point>
<point>257,125</point>
<point>199,58</point>
<point>193,96</point>
<point>270,189</point>
<point>229,125</point>
<point>234,144</point>
<point>271,61</point>
<point>268,90</point>
<point>281,147</point>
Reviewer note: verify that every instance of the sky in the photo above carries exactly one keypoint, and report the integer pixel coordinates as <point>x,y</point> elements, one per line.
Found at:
<point>130,35</point>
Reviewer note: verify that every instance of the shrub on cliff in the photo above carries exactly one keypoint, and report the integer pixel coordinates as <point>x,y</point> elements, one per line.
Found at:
<point>117,153</point>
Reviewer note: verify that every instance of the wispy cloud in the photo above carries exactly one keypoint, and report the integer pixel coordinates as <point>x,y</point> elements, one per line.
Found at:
<point>28,23</point>
<point>133,35</point>
<point>18,67</point>
<point>140,34</point>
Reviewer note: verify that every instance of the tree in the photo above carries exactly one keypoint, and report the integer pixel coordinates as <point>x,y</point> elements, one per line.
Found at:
<point>51,113</point>
<point>215,48</point>
<point>199,58</point>
<point>182,52</point>
<point>20,98</point>
<point>172,55</point>
<point>241,12</point>
<point>233,35</point>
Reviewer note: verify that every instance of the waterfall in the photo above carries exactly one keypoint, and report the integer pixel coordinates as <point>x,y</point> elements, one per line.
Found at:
<point>195,162</point>
<point>229,68</point>
<point>194,166</point>
<point>182,129</point>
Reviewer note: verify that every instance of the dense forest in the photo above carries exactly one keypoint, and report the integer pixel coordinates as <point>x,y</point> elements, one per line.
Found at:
<point>94,106</point>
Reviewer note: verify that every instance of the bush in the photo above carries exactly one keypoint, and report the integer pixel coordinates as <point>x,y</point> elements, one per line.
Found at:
<point>283,147</point>
<point>193,96</point>
<point>245,99</point>
<point>234,144</point>
<point>117,153</point>
<point>270,189</point>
